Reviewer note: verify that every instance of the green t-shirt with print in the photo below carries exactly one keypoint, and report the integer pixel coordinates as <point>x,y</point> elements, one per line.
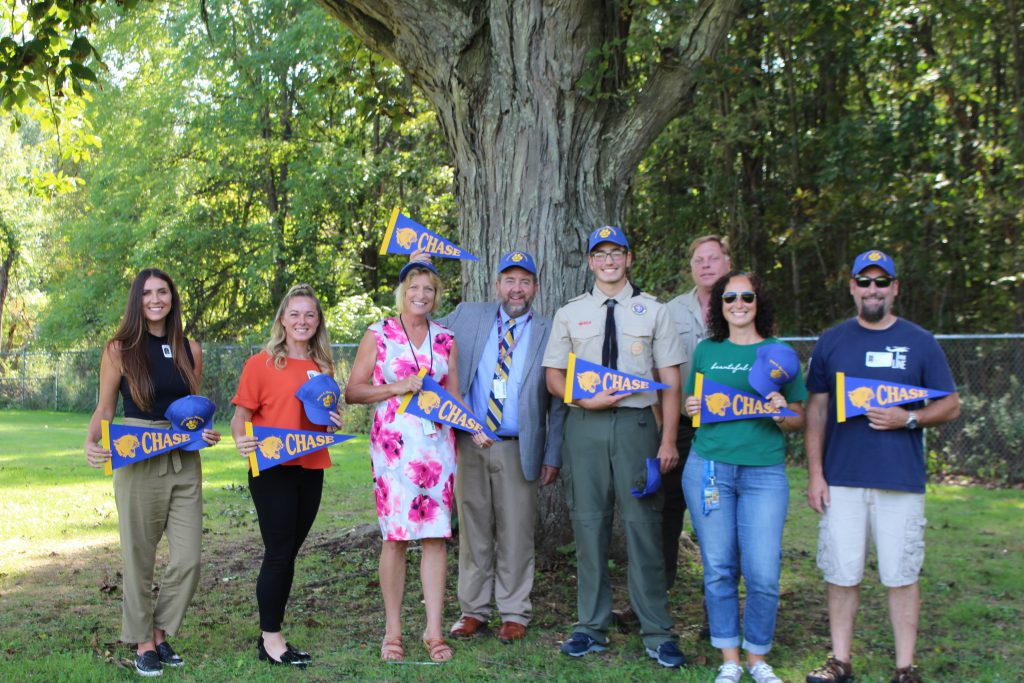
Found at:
<point>757,441</point>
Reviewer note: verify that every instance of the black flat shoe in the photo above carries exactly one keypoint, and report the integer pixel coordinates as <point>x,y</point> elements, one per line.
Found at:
<point>304,656</point>
<point>288,657</point>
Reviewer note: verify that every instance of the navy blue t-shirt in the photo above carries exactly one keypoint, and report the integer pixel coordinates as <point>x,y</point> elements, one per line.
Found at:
<point>855,454</point>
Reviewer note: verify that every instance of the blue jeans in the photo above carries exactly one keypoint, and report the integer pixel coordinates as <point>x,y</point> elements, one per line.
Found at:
<point>743,536</point>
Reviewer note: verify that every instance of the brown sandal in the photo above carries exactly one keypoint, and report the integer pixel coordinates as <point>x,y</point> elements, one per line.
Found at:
<point>438,649</point>
<point>391,649</point>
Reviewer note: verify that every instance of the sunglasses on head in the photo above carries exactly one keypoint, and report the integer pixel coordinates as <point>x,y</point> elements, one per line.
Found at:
<point>748,297</point>
<point>882,281</point>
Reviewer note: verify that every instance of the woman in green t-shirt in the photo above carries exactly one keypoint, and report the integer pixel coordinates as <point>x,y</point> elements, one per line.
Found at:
<point>735,478</point>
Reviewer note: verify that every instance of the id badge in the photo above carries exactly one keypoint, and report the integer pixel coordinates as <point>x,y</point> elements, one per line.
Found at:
<point>428,427</point>
<point>499,388</point>
<point>710,498</point>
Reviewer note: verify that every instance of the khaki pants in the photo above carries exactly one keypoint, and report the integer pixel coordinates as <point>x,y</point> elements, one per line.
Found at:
<point>603,458</point>
<point>160,495</point>
<point>497,513</point>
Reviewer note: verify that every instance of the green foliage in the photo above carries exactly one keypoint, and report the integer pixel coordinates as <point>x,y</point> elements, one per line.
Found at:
<point>829,128</point>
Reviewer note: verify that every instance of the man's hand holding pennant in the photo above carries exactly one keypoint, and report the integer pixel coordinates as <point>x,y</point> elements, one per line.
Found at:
<point>435,404</point>
<point>855,395</point>
<point>281,445</point>
<point>406,236</point>
<point>584,379</point>
<point>721,403</point>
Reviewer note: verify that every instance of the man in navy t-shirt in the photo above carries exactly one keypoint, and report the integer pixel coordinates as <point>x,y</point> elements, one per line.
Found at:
<point>866,475</point>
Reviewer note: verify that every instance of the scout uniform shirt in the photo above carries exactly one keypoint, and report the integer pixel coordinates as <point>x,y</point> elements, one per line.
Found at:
<point>646,336</point>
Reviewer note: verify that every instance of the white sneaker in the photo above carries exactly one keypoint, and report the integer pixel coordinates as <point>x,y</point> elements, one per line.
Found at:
<point>763,673</point>
<point>730,672</point>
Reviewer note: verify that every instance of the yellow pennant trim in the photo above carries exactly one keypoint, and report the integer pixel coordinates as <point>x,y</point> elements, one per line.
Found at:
<point>254,466</point>
<point>840,397</point>
<point>408,397</point>
<point>570,378</point>
<point>108,466</point>
<point>389,232</point>
<point>698,386</point>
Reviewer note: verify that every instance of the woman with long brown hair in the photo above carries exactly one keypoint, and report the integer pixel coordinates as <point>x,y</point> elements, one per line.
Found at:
<point>151,363</point>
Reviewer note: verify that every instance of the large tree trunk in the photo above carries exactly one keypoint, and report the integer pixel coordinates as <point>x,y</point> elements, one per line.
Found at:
<point>545,147</point>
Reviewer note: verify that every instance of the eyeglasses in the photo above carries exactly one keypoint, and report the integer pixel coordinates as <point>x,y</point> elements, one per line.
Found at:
<point>602,256</point>
<point>882,281</point>
<point>730,297</point>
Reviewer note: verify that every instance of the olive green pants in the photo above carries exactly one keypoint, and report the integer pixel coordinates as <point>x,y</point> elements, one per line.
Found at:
<point>603,458</point>
<point>162,494</point>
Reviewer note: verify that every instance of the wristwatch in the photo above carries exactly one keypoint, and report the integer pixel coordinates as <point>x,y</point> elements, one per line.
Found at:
<point>911,420</point>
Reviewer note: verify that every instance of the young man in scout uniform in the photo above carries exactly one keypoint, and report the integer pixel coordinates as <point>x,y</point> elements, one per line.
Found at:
<point>608,439</point>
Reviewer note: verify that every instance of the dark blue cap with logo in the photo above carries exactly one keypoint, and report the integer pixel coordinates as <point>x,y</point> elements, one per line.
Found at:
<point>517,259</point>
<point>415,264</point>
<point>319,396</point>
<point>653,479</point>
<point>776,366</point>
<point>191,415</point>
<point>608,233</point>
<point>874,257</point>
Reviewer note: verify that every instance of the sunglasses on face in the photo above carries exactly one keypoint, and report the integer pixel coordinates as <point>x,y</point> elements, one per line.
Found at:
<point>748,297</point>
<point>882,281</point>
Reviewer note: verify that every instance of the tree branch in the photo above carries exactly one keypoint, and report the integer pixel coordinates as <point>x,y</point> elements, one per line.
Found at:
<point>424,37</point>
<point>666,94</point>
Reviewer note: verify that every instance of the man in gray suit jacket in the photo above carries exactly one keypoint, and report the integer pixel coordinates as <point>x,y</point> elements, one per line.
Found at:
<point>500,348</point>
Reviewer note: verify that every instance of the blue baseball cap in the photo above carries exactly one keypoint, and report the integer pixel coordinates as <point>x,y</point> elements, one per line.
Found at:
<point>319,396</point>
<point>191,415</point>
<point>874,257</point>
<point>415,264</point>
<point>517,259</point>
<point>653,479</point>
<point>776,366</point>
<point>607,233</point>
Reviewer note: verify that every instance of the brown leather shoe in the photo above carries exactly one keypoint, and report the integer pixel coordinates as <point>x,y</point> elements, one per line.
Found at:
<point>510,631</point>
<point>467,627</point>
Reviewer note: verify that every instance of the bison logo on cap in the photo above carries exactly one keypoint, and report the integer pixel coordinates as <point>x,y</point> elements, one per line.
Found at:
<point>327,399</point>
<point>605,232</point>
<point>517,257</point>
<point>192,423</point>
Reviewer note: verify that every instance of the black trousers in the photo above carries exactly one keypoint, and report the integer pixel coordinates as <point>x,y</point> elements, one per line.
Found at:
<point>675,505</point>
<point>287,500</point>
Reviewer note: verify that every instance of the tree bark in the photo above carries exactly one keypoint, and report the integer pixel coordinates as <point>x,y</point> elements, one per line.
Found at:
<point>542,157</point>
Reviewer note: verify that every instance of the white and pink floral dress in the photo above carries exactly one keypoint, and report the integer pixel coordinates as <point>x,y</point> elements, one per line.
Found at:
<point>413,472</point>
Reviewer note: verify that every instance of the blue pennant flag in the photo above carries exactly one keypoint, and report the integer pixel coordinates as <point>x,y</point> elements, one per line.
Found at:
<point>854,395</point>
<point>433,403</point>
<point>721,403</point>
<point>584,379</point>
<point>281,445</point>
<point>128,444</point>
<point>404,236</point>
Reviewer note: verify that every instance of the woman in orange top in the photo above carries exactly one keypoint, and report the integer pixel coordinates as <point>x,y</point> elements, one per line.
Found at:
<point>287,497</point>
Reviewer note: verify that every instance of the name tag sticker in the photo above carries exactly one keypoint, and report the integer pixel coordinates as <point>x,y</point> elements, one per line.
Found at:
<point>167,350</point>
<point>878,359</point>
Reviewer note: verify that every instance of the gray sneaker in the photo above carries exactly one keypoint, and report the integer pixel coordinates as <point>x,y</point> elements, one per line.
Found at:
<point>730,672</point>
<point>763,673</point>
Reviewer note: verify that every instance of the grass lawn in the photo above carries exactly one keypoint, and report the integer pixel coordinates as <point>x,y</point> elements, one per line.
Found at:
<point>60,586</point>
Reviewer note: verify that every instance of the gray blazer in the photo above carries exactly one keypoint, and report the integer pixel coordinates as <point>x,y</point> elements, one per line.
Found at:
<point>541,415</point>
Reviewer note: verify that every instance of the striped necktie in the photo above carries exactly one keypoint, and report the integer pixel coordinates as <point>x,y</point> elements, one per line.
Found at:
<point>501,370</point>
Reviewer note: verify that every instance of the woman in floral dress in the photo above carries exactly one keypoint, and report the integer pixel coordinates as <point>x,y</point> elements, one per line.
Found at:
<point>413,459</point>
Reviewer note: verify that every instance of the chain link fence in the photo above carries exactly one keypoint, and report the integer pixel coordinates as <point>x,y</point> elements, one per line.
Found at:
<point>986,441</point>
